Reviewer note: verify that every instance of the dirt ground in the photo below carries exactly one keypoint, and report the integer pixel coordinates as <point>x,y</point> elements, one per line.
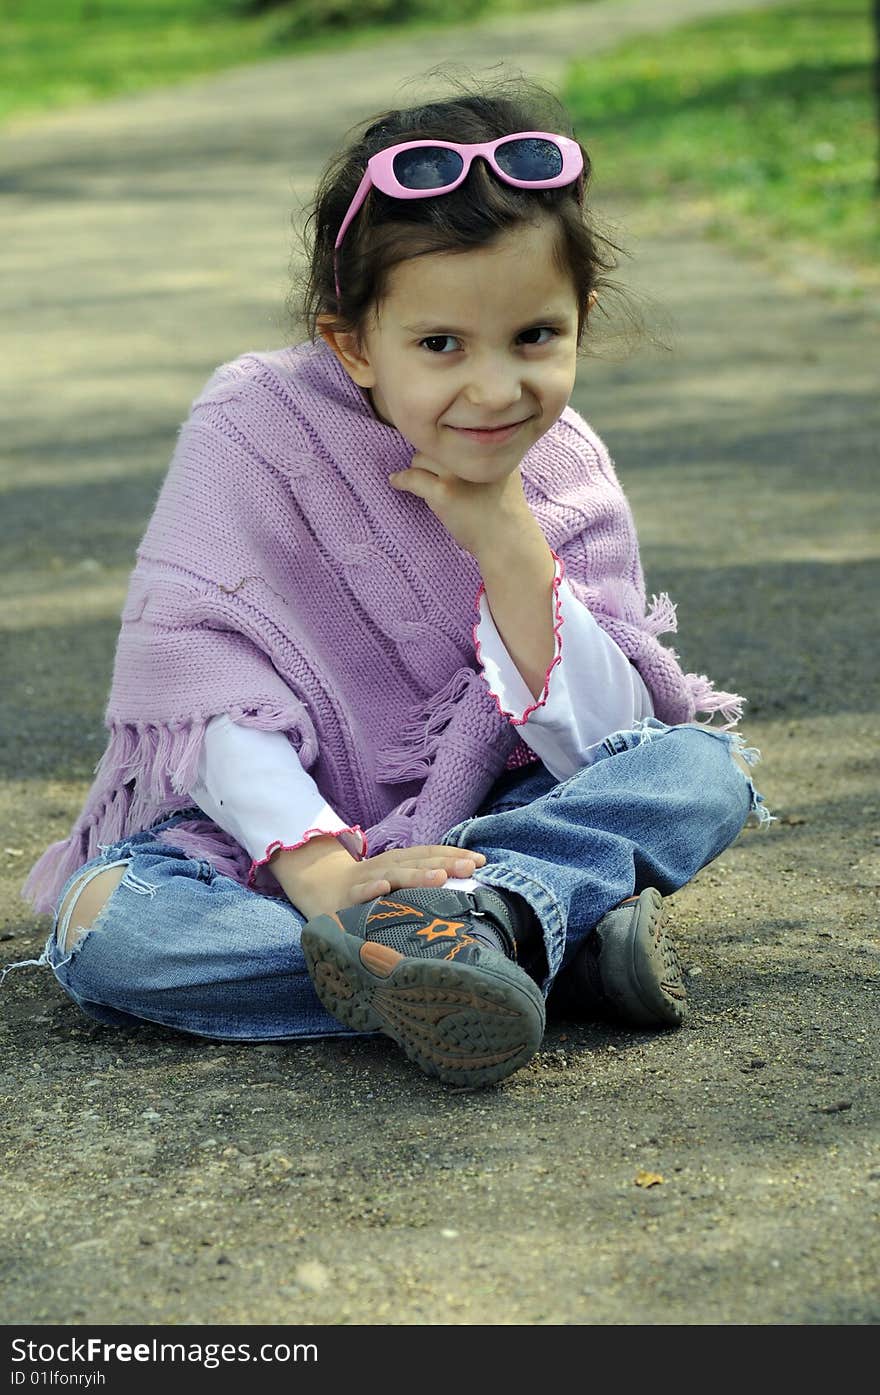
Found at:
<point>153,1178</point>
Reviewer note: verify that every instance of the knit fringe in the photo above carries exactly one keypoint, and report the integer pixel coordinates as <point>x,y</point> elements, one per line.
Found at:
<point>420,736</point>
<point>395,830</point>
<point>661,617</point>
<point>143,777</point>
<point>707,699</point>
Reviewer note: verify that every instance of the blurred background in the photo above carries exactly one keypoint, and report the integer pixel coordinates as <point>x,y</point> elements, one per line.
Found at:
<point>769,114</point>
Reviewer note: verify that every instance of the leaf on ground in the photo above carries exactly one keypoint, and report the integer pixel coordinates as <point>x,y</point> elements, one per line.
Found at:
<point>647,1179</point>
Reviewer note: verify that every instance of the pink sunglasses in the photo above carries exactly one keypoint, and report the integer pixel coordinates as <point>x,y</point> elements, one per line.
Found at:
<point>419,169</point>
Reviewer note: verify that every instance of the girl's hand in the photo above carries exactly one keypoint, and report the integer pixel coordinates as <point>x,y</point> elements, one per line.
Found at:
<point>424,865</point>
<point>470,511</point>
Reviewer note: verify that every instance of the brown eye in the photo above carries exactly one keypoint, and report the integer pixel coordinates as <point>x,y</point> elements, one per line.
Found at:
<point>436,339</point>
<point>539,329</point>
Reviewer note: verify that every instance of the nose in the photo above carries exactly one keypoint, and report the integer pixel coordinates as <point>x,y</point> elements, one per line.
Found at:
<point>494,386</point>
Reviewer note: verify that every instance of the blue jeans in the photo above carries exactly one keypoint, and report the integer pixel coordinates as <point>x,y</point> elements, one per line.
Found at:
<point>179,944</point>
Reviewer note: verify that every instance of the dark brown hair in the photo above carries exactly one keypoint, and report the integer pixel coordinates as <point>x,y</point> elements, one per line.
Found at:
<point>387,231</point>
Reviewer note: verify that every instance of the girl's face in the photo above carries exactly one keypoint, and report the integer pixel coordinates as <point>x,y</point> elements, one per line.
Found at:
<point>472,341</point>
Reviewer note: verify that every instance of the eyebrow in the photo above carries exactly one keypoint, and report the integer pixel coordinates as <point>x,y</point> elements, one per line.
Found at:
<point>438,327</point>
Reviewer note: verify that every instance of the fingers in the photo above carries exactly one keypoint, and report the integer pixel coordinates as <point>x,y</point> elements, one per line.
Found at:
<point>453,862</point>
<point>427,871</point>
<point>439,855</point>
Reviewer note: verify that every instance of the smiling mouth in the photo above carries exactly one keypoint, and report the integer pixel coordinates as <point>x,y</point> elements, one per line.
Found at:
<point>491,430</point>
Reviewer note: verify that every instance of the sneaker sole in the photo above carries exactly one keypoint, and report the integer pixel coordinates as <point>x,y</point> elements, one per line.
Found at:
<point>465,1024</point>
<point>641,973</point>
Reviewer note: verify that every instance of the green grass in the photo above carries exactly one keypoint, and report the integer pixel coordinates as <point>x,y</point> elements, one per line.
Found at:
<point>764,122</point>
<point>760,127</point>
<point>62,53</point>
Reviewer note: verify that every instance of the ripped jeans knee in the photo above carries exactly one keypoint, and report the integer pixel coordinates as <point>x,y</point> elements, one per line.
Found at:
<point>742,757</point>
<point>60,947</point>
<point>759,814</point>
<point>81,908</point>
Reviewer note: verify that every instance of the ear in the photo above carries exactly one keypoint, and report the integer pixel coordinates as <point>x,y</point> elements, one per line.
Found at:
<point>345,346</point>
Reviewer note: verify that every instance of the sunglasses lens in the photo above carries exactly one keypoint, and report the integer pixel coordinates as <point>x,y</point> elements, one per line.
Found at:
<point>428,167</point>
<point>529,159</point>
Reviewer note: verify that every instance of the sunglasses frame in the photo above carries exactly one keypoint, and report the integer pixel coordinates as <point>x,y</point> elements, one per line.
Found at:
<point>379,173</point>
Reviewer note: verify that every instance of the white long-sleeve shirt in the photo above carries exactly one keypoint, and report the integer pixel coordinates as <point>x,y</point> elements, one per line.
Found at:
<point>253,785</point>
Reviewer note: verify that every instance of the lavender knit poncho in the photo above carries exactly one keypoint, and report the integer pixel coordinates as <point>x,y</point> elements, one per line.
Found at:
<point>283,581</point>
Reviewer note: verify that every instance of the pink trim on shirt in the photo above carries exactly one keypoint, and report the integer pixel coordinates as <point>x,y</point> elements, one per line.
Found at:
<point>557,636</point>
<point>279,846</point>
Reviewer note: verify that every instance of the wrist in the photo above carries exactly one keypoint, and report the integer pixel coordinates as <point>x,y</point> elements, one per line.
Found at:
<point>309,874</point>
<point>511,535</point>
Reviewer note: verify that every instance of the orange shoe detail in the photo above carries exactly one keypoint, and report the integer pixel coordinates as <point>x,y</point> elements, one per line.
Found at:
<point>450,929</point>
<point>465,940</point>
<point>379,959</point>
<point>396,908</point>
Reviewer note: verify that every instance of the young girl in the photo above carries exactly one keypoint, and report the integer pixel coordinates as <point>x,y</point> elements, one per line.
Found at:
<point>393,744</point>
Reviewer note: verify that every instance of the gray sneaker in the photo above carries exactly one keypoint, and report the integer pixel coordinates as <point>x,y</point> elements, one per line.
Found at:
<point>434,969</point>
<point>627,969</point>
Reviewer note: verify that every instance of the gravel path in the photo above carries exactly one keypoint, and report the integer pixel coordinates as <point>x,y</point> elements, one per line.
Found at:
<point>156,1178</point>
